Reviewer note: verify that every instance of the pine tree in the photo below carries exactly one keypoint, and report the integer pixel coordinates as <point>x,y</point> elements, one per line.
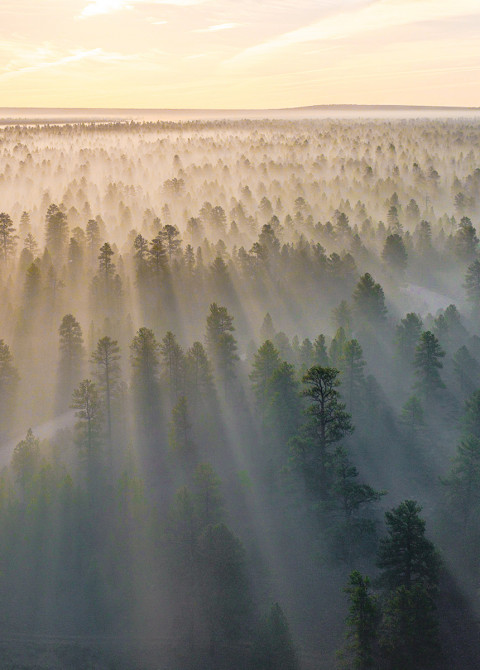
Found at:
<point>198,374</point>
<point>337,344</point>
<point>407,335</point>
<point>7,237</point>
<point>463,480</point>
<point>466,241</point>
<point>410,571</point>
<point>353,380</point>
<point>71,357</point>
<point>472,287</point>
<point>89,426</point>
<point>394,254</point>
<point>467,371</point>
<point>180,437</point>
<point>412,417</point>
<point>328,423</point>
<point>221,344</point>
<point>92,234</point>
<point>369,301</point>
<point>362,623</point>
<point>427,364</point>
<point>56,233</point>
<point>173,361</point>
<point>355,534</point>
<point>320,354</point>
<point>273,648</point>
<point>267,331</point>
<point>144,358</point>
<point>106,369</point>
<point>407,558</point>
<point>209,501</point>
<point>471,418</point>
<point>26,459</point>
<point>266,361</point>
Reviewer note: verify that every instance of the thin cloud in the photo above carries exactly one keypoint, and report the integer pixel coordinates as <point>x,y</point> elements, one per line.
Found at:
<point>221,26</point>
<point>359,19</point>
<point>46,57</point>
<point>99,7</point>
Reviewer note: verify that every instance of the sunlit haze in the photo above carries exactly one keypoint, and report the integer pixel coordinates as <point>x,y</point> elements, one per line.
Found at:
<point>229,54</point>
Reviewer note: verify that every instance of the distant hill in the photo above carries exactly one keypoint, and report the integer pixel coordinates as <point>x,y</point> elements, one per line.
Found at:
<point>15,115</point>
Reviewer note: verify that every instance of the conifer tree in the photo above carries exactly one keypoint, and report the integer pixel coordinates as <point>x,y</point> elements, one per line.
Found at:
<point>221,344</point>
<point>410,571</point>
<point>362,623</point>
<point>71,357</point>
<point>427,364</point>
<point>7,237</point>
<point>273,647</point>
<point>327,424</point>
<point>353,380</point>
<point>173,361</point>
<point>369,301</point>
<point>266,361</point>
<point>106,369</point>
<point>145,362</point>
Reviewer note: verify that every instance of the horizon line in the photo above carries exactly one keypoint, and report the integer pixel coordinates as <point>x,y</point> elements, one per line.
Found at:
<point>253,109</point>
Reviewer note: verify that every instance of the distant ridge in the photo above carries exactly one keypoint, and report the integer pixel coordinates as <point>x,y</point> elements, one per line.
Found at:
<point>326,107</point>
<point>58,115</point>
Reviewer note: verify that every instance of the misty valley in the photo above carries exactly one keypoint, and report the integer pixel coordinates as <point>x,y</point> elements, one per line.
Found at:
<point>240,394</point>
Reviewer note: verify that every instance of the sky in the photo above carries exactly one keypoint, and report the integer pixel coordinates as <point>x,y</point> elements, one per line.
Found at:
<point>238,54</point>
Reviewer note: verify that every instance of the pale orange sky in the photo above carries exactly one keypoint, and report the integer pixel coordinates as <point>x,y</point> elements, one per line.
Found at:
<point>238,54</point>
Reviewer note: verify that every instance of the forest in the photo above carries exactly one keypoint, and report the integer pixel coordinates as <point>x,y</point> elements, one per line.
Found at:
<point>240,394</point>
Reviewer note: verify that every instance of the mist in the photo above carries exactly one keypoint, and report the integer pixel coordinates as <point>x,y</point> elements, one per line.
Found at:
<point>235,350</point>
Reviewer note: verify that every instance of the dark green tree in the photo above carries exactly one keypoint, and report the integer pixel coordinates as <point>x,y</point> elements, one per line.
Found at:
<point>412,417</point>
<point>337,345</point>
<point>466,241</point>
<point>223,588</point>
<point>327,424</point>
<point>8,239</point>
<point>266,361</point>
<point>362,623</point>
<point>71,357</point>
<point>407,335</point>
<point>342,316</point>
<point>209,501</point>
<point>369,301</point>
<point>427,364</point>
<point>198,374</point>
<point>471,417</point>
<point>394,254</point>
<point>145,362</point>
<point>170,236</point>
<point>173,363</point>
<point>88,429</point>
<point>320,354</point>
<point>467,371</point>
<point>410,571</point>
<point>180,434</point>
<point>9,379</point>
<point>56,232</point>
<point>283,414</point>
<point>26,459</point>
<point>92,234</point>
<point>273,647</point>
<point>221,344</point>
<point>353,380</point>
<point>406,557</point>
<point>472,287</point>
<point>106,369</point>
<point>355,534</point>
<point>463,480</point>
